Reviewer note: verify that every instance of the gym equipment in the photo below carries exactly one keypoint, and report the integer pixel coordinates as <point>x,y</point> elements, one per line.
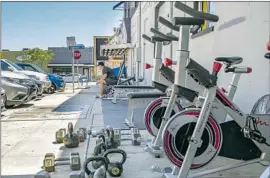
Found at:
<point>139,101</point>
<point>205,144</point>
<point>50,162</point>
<point>181,77</point>
<point>81,136</point>
<point>117,137</point>
<point>136,137</point>
<point>71,140</point>
<point>200,147</point>
<point>99,150</point>
<point>120,91</point>
<point>160,82</point>
<point>59,135</point>
<point>98,173</point>
<point>107,138</point>
<point>115,169</point>
<point>95,133</point>
<point>83,131</point>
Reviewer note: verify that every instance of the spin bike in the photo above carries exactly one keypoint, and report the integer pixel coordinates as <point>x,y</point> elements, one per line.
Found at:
<point>159,82</point>
<point>155,110</point>
<point>195,136</point>
<point>181,24</point>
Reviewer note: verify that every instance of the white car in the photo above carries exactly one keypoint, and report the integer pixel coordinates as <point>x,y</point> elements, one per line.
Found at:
<point>7,65</point>
<point>68,77</point>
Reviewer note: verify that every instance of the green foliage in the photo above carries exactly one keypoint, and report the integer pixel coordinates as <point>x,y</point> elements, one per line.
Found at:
<point>38,57</point>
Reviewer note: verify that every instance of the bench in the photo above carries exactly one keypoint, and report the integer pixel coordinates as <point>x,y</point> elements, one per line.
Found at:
<point>120,91</point>
<point>137,101</point>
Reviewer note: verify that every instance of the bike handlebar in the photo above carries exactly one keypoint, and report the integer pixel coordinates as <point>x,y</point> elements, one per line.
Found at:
<point>147,38</point>
<point>206,16</point>
<point>162,35</point>
<point>168,24</point>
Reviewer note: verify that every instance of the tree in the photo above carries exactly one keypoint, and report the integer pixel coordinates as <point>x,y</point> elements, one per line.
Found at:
<point>38,56</point>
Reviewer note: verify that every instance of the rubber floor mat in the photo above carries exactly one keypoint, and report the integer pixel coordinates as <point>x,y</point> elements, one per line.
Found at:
<point>115,114</point>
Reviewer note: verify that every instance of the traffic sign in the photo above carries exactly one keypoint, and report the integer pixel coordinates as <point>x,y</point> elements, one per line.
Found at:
<point>76,54</point>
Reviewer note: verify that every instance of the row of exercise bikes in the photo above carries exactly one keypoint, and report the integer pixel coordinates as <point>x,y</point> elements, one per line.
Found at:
<point>190,124</point>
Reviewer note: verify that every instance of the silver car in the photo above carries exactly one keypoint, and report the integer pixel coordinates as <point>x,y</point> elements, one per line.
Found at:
<point>3,99</point>
<point>18,87</point>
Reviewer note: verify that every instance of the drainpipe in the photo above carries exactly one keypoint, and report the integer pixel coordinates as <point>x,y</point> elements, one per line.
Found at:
<point>138,51</point>
<point>171,17</point>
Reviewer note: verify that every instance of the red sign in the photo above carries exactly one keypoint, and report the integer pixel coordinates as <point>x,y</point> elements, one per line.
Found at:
<point>76,54</point>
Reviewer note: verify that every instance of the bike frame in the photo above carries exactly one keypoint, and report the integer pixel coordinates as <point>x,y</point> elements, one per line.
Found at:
<point>236,114</point>
<point>157,62</point>
<point>220,113</point>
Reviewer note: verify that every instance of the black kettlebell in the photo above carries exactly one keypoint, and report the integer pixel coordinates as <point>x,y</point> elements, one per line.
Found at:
<point>89,172</point>
<point>99,150</point>
<point>115,169</point>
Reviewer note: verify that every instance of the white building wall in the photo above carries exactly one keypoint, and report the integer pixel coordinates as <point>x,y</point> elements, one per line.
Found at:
<point>246,39</point>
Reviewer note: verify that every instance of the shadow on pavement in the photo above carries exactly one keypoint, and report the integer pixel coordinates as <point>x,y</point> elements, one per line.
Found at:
<point>79,102</point>
<point>26,105</point>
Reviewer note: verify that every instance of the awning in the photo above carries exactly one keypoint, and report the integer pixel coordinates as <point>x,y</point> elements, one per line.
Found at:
<point>118,4</point>
<point>114,49</point>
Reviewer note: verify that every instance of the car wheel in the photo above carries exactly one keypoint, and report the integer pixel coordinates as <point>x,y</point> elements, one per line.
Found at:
<point>52,88</point>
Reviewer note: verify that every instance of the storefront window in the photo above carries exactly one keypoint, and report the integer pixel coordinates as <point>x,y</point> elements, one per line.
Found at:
<point>61,70</point>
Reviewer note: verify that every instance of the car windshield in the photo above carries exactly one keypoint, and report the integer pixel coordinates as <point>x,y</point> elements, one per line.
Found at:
<point>14,65</point>
<point>38,69</point>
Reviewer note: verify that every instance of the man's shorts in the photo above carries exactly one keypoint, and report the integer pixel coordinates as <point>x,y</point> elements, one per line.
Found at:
<point>110,81</point>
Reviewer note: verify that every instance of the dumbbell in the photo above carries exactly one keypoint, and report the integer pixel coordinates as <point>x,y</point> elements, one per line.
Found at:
<point>117,137</point>
<point>135,136</point>
<point>59,135</point>
<point>82,134</point>
<point>50,162</point>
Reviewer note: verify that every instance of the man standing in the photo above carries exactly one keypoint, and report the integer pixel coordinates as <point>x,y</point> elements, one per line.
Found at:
<point>108,77</point>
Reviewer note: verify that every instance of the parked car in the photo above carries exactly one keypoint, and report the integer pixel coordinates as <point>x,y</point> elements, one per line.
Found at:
<point>7,65</point>
<point>19,88</point>
<point>68,77</point>
<point>58,82</point>
<point>40,86</point>
<point>3,99</point>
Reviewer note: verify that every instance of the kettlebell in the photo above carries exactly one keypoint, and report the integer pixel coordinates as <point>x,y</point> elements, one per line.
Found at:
<point>115,169</point>
<point>71,140</point>
<point>91,173</point>
<point>101,139</point>
<point>110,140</point>
<point>99,150</point>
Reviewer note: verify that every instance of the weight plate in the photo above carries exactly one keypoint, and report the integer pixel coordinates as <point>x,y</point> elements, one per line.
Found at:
<point>178,131</point>
<point>154,113</point>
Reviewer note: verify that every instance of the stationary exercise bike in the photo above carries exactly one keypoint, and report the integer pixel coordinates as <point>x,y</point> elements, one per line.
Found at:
<point>159,81</point>
<point>195,136</point>
<point>155,110</point>
<point>200,136</point>
<point>181,79</point>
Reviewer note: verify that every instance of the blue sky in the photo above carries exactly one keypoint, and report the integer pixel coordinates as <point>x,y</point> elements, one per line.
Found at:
<point>46,24</point>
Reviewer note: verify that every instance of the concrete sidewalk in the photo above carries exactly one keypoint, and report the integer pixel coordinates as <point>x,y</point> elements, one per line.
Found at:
<point>30,141</point>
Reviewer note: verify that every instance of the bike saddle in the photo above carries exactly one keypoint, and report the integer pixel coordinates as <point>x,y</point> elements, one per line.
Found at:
<point>230,60</point>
